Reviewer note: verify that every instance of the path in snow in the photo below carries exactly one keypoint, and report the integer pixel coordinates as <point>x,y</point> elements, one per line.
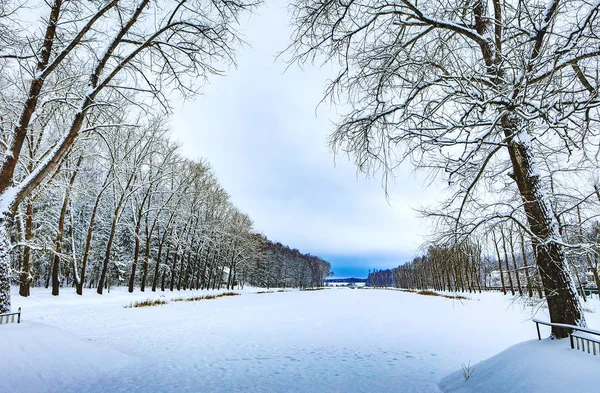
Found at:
<point>336,340</point>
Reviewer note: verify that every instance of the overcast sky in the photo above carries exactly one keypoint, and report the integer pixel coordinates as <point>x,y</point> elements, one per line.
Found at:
<point>261,131</point>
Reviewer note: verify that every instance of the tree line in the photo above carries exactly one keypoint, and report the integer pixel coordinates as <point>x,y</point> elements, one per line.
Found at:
<point>282,267</point>
<point>504,261</point>
<point>128,209</point>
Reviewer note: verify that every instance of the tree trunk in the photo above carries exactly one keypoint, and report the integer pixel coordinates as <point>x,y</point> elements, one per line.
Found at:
<point>145,267</point>
<point>105,262</point>
<point>199,271</point>
<point>499,262</point>
<point>25,279</point>
<point>164,274</point>
<point>73,248</point>
<point>538,277</point>
<point>229,278</point>
<point>136,249</point>
<point>90,231</point>
<point>563,304</point>
<point>48,275</point>
<point>204,268</point>
<point>514,261</point>
<point>581,290</point>
<point>173,267</point>
<point>220,278</point>
<point>510,281</point>
<point>146,253</point>
<point>234,281</point>
<point>61,230</point>
<point>181,266</point>
<point>5,268</point>
<point>524,256</point>
<point>157,266</point>
<point>211,268</point>
<point>113,230</point>
<point>588,259</point>
<point>187,271</point>
<point>162,240</point>
<point>58,246</point>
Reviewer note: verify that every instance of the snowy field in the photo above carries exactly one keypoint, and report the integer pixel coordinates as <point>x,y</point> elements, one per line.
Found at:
<point>333,340</point>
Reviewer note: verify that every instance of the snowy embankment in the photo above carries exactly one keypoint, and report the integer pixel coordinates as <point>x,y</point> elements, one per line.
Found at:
<point>335,340</point>
<point>545,366</point>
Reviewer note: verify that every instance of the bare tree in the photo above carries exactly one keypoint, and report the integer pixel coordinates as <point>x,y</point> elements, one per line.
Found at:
<point>480,91</point>
<point>61,228</point>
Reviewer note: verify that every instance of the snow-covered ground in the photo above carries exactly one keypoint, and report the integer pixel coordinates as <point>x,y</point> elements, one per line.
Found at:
<point>333,340</point>
<point>533,366</point>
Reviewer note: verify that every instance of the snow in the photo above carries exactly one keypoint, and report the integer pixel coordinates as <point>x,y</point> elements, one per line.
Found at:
<point>43,358</point>
<point>7,199</point>
<point>548,14</point>
<point>5,269</point>
<point>533,366</point>
<point>331,340</point>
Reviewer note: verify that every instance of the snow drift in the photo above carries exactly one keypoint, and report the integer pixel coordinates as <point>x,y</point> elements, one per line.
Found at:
<point>545,366</point>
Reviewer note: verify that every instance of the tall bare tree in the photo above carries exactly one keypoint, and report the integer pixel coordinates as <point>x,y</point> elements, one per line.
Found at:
<point>478,90</point>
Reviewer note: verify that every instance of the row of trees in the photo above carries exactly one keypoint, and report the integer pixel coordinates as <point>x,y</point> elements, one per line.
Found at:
<point>283,267</point>
<point>85,67</point>
<point>502,260</point>
<point>127,209</point>
<point>92,192</point>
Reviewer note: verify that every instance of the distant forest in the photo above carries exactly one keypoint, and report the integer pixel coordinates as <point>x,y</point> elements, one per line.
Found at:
<point>348,280</point>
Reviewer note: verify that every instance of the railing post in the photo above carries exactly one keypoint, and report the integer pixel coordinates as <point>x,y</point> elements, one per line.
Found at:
<point>571,339</point>
<point>19,317</point>
<point>537,325</point>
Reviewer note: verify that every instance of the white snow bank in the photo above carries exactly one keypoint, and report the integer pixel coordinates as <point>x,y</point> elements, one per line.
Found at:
<point>37,357</point>
<point>334,341</point>
<point>545,366</point>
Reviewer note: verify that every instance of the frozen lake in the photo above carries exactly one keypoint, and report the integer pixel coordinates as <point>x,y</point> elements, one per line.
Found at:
<point>333,340</point>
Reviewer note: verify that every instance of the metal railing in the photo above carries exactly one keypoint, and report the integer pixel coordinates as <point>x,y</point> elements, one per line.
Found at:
<point>10,317</point>
<point>583,343</point>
